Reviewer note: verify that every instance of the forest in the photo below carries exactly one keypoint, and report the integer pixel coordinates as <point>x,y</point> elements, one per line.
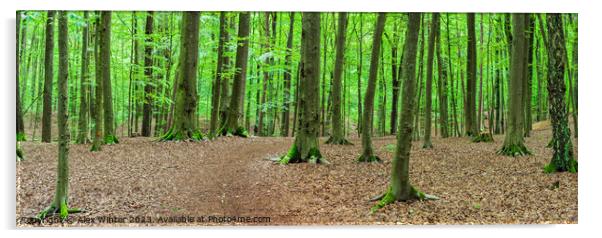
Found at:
<point>297,117</point>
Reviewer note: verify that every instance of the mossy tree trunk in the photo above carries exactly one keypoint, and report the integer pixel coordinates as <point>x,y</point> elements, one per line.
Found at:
<point>98,117</point>
<point>20,125</point>
<point>184,126</point>
<point>429,81</point>
<point>400,188</point>
<point>514,140</point>
<point>60,202</point>
<point>471,79</point>
<point>337,136</point>
<point>367,150</point>
<point>527,83</point>
<point>563,158</point>
<point>148,74</point>
<point>82,136</point>
<point>48,75</point>
<point>442,89</point>
<point>219,75</point>
<point>105,65</point>
<point>237,99</point>
<point>306,146</point>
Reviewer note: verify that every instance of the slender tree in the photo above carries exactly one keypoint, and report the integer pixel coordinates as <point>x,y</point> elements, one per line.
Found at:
<point>337,136</point>
<point>429,81</point>
<point>400,188</point>
<point>60,204</point>
<point>20,124</point>
<point>232,126</point>
<point>288,99</point>
<point>306,147</point>
<point>219,75</point>
<point>48,75</point>
<point>367,150</point>
<point>148,73</point>
<point>563,158</point>
<point>105,65</point>
<point>442,89</point>
<point>98,88</point>
<point>184,127</point>
<point>82,136</point>
<point>471,79</point>
<point>514,141</point>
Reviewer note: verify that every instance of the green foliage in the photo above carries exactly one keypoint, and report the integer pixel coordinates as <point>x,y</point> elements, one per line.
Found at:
<point>21,137</point>
<point>111,139</point>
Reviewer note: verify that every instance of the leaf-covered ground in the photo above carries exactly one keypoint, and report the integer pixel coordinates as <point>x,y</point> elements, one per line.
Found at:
<point>145,180</point>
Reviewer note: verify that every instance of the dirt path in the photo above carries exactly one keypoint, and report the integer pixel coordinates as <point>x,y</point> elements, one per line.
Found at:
<point>230,177</point>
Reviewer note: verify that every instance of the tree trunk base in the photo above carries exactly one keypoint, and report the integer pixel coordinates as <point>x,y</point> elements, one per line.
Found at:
<point>567,164</point>
<point>20,156</point>
<point>21,136</point>
<point>338,141</point>
<point>111,139</point>
<point>427,145</point>
<point>294,156</point>
<point>388,198</point>
<point>483,137</point>
<point>369,159</point>
<point>63,210</point>
<point>240,132</point>
<point>181,136</point>
<point>514,150</point>
<point>83,141</point>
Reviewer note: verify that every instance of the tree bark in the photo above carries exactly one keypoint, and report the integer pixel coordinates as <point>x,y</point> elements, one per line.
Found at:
<point>82,137</point>
<point>148,73</point>
<point>429,81</point>
<point>284,128</point>
<point>48,76</point>
<point>471,73</point>
<point>105,63</point>
<point>20,124</point>
<point>337,136</point>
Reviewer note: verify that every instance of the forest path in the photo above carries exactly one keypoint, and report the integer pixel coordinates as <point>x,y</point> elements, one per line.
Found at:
<point>231,176</point>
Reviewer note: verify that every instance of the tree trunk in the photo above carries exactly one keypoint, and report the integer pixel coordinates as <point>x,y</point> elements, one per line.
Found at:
<point>471,81</point>
<point>97,106</point>
<point>105,63</point>
<point>219,74</point>
<point>82,137</point>
<point>563,158</point>
<point>337,136</point>
<point>284,127</point>
<point>148,73</point>
<point>237,99</point>
<point>20,125</point>
<point>514,141</point>
<point>48,76</point>
<point>368,152</point>
<point>429,81</point>
<point>442,88</point>
<point>306,146</point>
<point>184,126</point>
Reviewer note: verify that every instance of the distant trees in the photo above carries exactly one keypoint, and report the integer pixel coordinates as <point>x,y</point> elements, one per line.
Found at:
<point>368,152</point>
<point>429,80</point>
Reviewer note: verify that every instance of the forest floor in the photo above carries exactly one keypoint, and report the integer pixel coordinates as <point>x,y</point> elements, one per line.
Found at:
<point>141,178</point>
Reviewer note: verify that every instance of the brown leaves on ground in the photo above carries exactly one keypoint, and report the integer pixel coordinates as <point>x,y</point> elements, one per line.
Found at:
<point>234,177</point>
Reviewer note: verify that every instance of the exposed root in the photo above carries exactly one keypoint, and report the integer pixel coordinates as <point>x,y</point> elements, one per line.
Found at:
<point>427,145</point>
<point>181,136</point>
<point>240,131</point>
<point>294,156</point>
<point>63,210</point>
<point>20,156</point>
<point>369,159</point>
<point>570,166</point>
<point>514,150</point>
<point>338,141</point>
<point>111,139</point>
<point>95,147</point>
<point>388,198</point>
<point>483,137</point>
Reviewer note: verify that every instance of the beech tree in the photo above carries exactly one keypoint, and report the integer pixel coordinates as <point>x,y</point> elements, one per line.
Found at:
<point>82,136</point>
<point>105,65</point>
<point>48,75</point>
<point>429,81</point>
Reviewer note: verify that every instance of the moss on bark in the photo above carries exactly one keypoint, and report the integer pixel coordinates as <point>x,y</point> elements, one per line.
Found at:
<point>111,139</point>
<point>514,150</point>
<point>369,158</point>
<point>337,141</point>
<point>483,137</point>
<point>389,198</point>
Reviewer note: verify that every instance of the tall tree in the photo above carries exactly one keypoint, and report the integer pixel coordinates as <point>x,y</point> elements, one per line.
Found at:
<point>471,79</point>
<point>237,99</point>
<point>288,99</point>
<point>97,108</point>
<point>514,141</point>
<point>367,150</point>
<point>20,125</point>
<point>306,147</point>
<point>563,158</point>
<point>148,73</point>
<point>184,126</point>
<point>442,88</point>
<point>400,188</point>
<point>105,64</point>
<point>219,75</point>
<point>337,136</point>
<point>48,75</point>
<point>60,203</point>
<point>429,80</point>
<point>82,136</point>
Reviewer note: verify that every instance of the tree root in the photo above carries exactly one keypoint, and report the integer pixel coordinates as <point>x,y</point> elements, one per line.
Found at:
<point>95,147</point>
<point>570,166</point>
<point>483,137</point>
<point>111,139</point>
<point>388,198</point>
<point>427,145</point>
<point>63,210</point>
<point>20,156</point>
<point>21,137</point>
<point>337,141</point>
<point>240,131</point>
<point>181,136</point>
<point>293,156</point>
<point>514,150</point>
<point>369,159</point>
